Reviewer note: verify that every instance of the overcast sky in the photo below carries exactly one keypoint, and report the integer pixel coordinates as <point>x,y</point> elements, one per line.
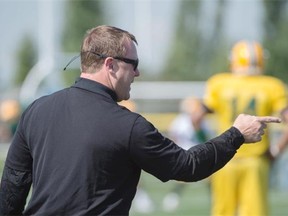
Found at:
<point>151,21</point>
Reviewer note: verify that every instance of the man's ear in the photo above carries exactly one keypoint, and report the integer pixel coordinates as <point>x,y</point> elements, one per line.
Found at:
<point>109,64</point>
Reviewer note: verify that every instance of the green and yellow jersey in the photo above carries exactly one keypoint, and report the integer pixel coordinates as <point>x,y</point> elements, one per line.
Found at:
<point>229,95</point>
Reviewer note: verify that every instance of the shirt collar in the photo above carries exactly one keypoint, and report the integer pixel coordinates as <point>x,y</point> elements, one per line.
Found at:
<point>96,87</point>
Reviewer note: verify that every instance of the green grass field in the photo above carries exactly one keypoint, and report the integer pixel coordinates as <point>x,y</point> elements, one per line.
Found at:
<point>195,199</point>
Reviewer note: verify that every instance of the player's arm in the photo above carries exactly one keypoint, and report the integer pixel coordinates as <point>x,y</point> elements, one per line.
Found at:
<point>215,153</point>
<point>277,149</point>
<point>199,114</point>
<point>197,119</point>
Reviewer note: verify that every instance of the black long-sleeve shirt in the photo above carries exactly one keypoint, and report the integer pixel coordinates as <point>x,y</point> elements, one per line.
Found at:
<point>83,154</point>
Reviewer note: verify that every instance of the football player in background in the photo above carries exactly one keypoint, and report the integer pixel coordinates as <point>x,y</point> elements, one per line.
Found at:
<point>186,135</point>
<point>241,187</point>
<point>10,111</point>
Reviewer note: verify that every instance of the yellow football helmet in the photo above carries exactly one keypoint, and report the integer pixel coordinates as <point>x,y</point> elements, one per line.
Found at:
<point>247,58</point>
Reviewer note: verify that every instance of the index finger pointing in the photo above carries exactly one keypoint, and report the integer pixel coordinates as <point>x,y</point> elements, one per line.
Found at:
<point>268,119</point>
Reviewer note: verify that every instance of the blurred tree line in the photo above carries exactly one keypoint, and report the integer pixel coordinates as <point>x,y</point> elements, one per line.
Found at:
<point>27,58</point>
<point>275,25</point>
<point>80,16</point>
<point>194,54</point>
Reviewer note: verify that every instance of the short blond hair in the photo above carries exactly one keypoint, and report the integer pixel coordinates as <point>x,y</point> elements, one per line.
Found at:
<point>104,40</point>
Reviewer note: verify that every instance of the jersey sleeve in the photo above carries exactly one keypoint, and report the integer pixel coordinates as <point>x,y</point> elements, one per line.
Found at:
<point>279,95</point>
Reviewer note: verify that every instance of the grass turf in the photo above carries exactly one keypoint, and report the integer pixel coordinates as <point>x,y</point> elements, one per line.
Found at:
<point>195,199</point>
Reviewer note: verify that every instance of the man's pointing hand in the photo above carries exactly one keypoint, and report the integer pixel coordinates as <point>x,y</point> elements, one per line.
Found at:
<point>252,127</point>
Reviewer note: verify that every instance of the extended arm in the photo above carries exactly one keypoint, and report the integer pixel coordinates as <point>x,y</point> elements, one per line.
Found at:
<point>160,156</point>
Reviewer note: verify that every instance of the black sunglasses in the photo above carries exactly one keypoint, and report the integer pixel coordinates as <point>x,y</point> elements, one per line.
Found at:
<point>133,62</point>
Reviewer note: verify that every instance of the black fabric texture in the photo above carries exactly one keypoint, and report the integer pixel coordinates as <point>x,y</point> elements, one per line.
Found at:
<point>85,154</point>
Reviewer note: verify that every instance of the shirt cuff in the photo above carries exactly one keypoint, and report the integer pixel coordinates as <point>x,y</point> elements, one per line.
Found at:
<point>238,138</point>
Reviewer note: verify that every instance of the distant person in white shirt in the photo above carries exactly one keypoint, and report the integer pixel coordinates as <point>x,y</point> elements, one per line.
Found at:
<point>185,134</point>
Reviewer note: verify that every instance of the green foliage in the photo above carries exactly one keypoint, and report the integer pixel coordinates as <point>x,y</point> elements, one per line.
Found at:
<point>195,54</point>
<point>275,38</point>
<point>277,63</point>
<point>81,15</point>
<point>184,49</point>
<point>26,59</point>
<point>196,198</point>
